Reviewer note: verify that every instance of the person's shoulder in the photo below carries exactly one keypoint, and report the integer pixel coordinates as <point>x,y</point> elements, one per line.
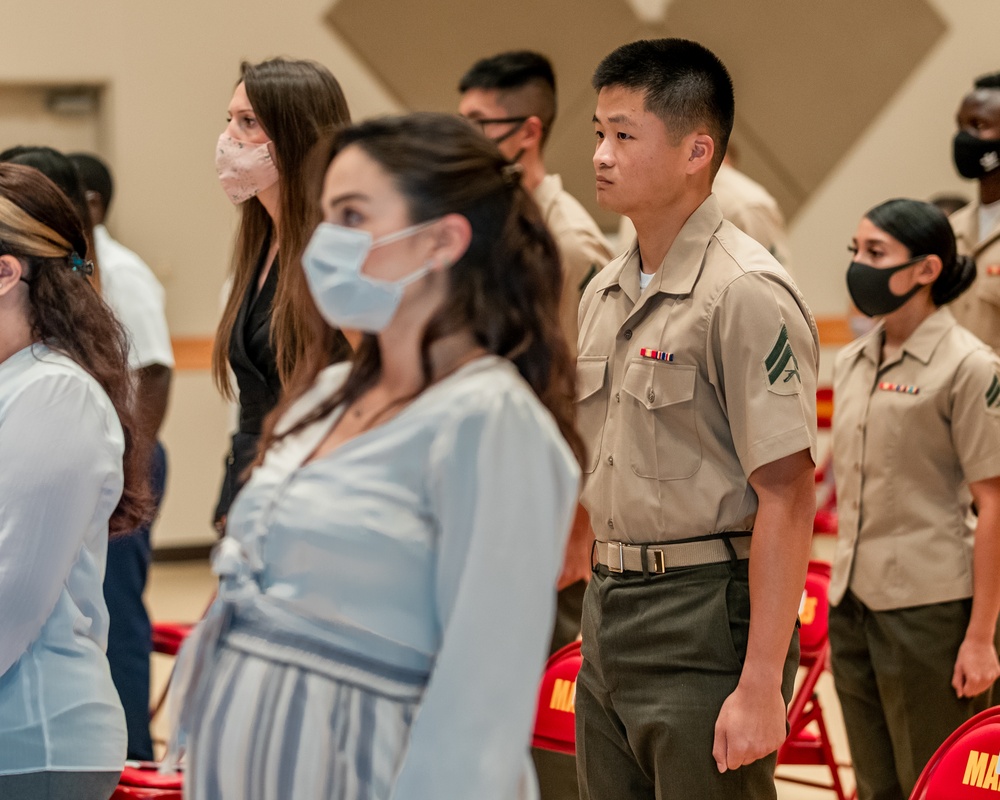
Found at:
<point>961,218</point>
<point>964,344</point>
<point>490,394</point>
<point>326,383</point>
<point>38,374</point>
<point>736,189</point>
<point>491,386</point>
<point>738,259</point>
<point>562,211</point>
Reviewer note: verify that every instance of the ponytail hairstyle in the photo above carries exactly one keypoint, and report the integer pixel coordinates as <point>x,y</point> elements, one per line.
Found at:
<point>59,169</point>
<point>40,227</point>
<point>295,102</point>
<point>925,231</point>
<point>504,289</point>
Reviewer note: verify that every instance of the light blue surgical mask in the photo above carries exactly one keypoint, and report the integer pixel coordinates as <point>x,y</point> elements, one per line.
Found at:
<point>344,296</point>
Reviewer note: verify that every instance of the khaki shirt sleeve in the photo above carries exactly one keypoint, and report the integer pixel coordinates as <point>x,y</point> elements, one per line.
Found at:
<point>763,360</point>
<point>583,256</point>
<point>975,420</point>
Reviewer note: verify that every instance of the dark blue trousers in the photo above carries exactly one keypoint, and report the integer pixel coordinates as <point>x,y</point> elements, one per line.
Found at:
<point>130,632</point>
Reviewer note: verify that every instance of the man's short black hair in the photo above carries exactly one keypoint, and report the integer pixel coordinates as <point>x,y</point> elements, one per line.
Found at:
<point>517,69</point>
<point>684,84</point>
<point>95,175</point>
<point>988,81</point>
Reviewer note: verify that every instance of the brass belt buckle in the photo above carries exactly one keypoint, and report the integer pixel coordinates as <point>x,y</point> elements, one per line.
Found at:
<point>620,567</point>
<point>659,562</point>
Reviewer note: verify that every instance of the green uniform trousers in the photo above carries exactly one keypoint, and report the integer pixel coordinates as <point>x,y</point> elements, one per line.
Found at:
<point>661,655</point>
<point>557,771</point>
<point>893,671</point>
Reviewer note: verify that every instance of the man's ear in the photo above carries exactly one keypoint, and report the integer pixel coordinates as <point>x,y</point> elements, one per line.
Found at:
<point>453,235</point>
<point>532,133</point>
<point>701,150</point>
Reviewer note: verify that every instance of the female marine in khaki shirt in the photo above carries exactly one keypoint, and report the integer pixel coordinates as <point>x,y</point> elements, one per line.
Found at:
<point>916,435</point>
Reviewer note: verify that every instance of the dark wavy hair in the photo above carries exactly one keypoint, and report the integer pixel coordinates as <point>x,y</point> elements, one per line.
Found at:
<point>61,170</point>
<point>505,287</point>
<point>40,227</point>
<point>296,103</point>
<point>925,231</point>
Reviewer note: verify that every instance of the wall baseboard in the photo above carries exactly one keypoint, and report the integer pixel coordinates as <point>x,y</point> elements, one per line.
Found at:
<point>195,552</point>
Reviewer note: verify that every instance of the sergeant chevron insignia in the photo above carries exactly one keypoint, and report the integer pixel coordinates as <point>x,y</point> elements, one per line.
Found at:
<point>781,367</point>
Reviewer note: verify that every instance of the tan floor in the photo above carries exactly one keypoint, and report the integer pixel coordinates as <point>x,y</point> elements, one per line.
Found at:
<point>180,591</point>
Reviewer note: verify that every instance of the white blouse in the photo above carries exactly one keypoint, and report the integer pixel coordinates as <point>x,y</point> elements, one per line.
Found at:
<point>431,543</point>
<point>61,448</point>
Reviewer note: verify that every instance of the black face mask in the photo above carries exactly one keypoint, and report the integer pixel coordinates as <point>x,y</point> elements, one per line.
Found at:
<point>975,158</point>
<point>869,288</point>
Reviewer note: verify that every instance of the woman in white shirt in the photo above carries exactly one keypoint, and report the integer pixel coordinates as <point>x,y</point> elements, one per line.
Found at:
<point>389,571</point>
<point>70,470</point>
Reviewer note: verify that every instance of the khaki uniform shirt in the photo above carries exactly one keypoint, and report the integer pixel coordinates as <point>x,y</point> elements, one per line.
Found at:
<point>582,247</point>
<point>684,389</point>
<point>978,309</point>
<point>908,437</point>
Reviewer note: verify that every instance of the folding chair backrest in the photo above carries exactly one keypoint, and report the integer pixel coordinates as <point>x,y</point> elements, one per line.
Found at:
<point>555,720</point>
<point>967,765</point>
<point>814,609</point>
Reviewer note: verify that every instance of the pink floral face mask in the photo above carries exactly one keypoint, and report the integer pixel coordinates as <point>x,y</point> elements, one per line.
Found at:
<point>245,170</point>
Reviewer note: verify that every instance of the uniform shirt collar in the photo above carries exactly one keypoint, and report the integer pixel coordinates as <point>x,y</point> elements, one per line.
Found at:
<point>921,344</point>
<point>928,335</point>
<point>678,272</point>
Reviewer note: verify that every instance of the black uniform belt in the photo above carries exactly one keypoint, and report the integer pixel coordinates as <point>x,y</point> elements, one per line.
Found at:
<point>661,556</point>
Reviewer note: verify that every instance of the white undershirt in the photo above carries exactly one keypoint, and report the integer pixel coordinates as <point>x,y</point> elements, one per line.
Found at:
<point>989,218</point>
<point>645,278</point>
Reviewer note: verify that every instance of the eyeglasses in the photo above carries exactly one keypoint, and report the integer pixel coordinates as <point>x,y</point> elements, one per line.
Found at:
<point>482,122</point>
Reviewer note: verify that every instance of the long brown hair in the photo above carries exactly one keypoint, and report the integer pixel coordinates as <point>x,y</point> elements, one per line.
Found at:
<point>40,227</point>
<point>504,289</point>
<point>295,102</point>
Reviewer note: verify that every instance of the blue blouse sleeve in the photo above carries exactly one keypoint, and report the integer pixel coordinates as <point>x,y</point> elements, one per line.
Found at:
<point>503,485</point>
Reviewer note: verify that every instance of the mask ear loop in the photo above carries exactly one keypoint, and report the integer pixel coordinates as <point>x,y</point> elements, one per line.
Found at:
<point>406,232</point>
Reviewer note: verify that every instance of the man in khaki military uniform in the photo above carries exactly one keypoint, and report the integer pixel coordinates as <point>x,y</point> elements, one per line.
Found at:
<point>977,226</point>
<point>696,396</point>
<point>746,204</point>
<point>512,96</point>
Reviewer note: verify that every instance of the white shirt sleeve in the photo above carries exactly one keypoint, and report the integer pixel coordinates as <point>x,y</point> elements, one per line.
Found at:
<point>54,451</point>
<point>504,485</point>
<point>137,298</point>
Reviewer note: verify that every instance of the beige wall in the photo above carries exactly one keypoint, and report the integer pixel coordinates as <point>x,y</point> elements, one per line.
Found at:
<point>168,71</point>
<point>906,152</point>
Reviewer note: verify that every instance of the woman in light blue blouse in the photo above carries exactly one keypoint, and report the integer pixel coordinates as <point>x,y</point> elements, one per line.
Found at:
<point>388,574</point>
<point>69,471</point>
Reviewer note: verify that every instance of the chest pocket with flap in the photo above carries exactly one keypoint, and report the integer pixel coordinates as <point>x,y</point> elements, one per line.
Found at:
<point>592,392</point>
<point>659,425</point>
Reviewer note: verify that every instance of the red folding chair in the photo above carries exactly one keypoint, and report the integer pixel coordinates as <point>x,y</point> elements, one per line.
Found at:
<point>142,781</point>
<point>808,741</point>
<point>967,764</point>
<point>167,640</point>
<point>555,719</point>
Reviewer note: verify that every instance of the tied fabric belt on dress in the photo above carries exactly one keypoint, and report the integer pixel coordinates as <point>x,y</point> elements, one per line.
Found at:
<point>660,556</point>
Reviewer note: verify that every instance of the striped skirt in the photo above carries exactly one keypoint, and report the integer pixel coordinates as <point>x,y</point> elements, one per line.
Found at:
<point>272,728</point>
